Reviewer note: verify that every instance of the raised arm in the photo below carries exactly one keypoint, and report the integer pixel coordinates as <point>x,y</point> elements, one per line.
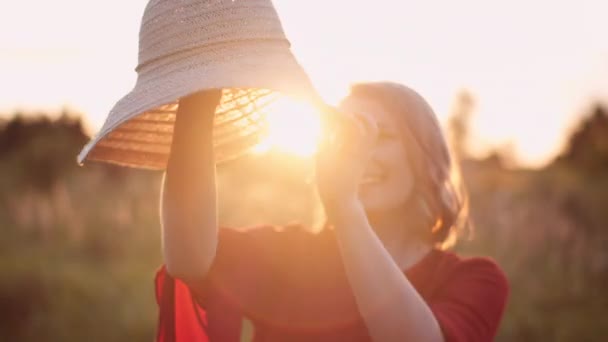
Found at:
<point>188,199</point>
<point>389,304</point>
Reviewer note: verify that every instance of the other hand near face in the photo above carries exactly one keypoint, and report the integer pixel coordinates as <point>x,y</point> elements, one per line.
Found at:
<point>345,150</point>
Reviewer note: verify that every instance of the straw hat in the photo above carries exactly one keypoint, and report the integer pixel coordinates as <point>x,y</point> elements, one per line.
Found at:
<point>191,45</point>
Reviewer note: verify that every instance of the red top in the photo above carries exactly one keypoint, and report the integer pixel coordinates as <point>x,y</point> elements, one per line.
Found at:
<point>291,284</point>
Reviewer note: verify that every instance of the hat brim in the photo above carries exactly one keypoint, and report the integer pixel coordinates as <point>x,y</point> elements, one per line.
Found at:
<point>151,106</point>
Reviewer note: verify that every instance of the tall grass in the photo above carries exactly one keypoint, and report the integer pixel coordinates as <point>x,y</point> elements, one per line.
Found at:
<point>80,246</point>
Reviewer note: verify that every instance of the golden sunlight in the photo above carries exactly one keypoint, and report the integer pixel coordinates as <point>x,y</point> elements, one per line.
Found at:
<point>293,127</point>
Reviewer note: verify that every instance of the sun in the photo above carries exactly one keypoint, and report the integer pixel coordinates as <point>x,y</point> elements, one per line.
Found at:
<point>293,127</point>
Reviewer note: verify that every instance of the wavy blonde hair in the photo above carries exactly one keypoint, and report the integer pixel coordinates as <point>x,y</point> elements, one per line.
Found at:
<point>439,202</point>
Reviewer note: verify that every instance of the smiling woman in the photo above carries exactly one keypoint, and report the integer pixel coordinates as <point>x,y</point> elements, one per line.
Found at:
<point>293,127</point>
<point>377,271</point>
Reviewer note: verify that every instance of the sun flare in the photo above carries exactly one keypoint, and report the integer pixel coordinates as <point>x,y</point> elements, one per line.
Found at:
<point>293,127</point>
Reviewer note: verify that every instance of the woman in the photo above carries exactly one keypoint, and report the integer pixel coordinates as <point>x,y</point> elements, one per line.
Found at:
<point>376,273</point>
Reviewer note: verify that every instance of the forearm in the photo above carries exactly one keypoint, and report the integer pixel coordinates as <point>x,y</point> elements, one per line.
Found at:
<point>391,307</point>
<point>189,213</point>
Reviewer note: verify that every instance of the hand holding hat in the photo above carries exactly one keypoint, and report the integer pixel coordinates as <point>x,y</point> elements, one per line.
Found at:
<point>191,46</point>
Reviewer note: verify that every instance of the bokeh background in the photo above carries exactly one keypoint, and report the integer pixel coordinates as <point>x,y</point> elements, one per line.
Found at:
<point>521,90</point>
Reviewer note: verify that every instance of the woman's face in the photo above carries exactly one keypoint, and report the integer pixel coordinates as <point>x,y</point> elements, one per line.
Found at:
<point>388,181</point>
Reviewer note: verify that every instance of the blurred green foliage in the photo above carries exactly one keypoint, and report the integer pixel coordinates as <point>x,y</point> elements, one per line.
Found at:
<point>80,246</point>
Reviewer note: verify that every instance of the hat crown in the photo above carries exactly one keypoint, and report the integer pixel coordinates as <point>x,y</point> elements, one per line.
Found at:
<point>173,26</point>
<point>187,46</point>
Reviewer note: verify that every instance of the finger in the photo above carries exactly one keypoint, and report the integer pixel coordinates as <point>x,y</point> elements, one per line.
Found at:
<point>358,132</point>
<point>330,119</point>
<point>356,123</point>
<point>368,123</point>
<point>335,127</point>
<point>327,139</point>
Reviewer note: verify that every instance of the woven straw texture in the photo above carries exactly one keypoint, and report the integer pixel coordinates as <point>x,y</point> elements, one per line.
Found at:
<point>191,45</point>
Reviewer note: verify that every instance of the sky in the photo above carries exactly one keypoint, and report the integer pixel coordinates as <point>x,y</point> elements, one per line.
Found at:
<point>533,66</point>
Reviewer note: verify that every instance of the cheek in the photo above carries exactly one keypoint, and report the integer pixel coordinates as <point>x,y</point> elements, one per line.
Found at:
<point>402,180</point>
<point>401,186</point>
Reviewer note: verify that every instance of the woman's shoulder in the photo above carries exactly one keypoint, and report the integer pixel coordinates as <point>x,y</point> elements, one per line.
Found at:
<point>468,297</point>
<point>455,259</point>
<point>469,270</point>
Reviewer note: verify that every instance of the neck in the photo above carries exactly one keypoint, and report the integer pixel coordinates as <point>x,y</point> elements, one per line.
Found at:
<point>402,242</point>
<point>389,226</point>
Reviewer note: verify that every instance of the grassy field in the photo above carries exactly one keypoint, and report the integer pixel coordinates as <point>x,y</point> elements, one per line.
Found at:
<point>80,246</point>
